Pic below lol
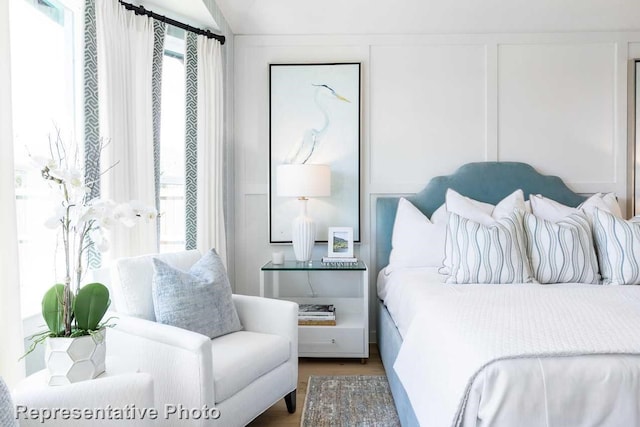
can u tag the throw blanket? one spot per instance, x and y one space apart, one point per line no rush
462 330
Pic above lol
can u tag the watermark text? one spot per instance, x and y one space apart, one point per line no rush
126 413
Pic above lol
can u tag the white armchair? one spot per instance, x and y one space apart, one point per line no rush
240 374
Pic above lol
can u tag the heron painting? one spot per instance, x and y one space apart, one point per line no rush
302 150
315 119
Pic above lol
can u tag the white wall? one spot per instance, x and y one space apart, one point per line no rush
434 102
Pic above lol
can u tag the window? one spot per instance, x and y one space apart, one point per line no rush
172 144
46 62
44 42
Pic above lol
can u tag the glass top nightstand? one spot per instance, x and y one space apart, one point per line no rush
343 285
313 265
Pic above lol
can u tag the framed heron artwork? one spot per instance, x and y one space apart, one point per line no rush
314 119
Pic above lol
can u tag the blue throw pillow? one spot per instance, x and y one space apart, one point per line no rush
198 300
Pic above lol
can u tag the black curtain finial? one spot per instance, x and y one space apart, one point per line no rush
140 10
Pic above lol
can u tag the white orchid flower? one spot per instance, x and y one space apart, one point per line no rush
55 220
75 179
126 214
105 222
103 204
88 213
75 184
98 209
41 162
143 211
60 174
150 214
137 206
99 240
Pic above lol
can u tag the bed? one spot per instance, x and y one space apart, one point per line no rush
501 392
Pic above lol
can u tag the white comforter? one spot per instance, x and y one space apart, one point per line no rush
512 355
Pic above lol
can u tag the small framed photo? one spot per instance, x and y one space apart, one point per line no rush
340 242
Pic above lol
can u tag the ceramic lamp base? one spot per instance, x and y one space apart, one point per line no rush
303 234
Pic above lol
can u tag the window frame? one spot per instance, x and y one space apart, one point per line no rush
73 63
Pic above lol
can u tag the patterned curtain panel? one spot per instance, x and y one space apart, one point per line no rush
93 142
210 206
205 225
156 93
91 114
191 140
125 73
91 111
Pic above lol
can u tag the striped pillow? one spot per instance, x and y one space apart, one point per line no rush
487 253
618 247
561 252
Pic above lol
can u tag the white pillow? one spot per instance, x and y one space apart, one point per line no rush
551 210
416 241
484 213
131 280
440 215
487 253
607 202
618 248
561 252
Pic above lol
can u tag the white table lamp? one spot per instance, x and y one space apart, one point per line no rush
303 181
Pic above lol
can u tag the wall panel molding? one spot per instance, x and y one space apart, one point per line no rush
558 110
491 99
243 41
429 110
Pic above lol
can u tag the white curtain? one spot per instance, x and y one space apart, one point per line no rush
210 205
125 58
12 346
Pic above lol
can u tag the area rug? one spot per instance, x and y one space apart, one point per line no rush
337 401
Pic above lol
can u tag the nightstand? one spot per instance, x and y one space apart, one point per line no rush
293 281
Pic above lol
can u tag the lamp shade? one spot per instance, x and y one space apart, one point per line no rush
303 181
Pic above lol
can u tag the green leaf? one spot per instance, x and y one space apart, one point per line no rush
52 309
90 305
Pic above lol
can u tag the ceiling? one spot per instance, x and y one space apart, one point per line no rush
192 12
428 16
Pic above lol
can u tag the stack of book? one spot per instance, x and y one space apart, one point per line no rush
340 261
317 315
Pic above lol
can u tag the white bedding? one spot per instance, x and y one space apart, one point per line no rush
447 380
403 289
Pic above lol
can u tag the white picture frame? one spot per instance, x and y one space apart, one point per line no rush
340 242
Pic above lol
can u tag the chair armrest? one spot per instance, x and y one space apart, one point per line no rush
270 316
179 360
159 332
117 390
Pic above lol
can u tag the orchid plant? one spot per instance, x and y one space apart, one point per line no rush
83 223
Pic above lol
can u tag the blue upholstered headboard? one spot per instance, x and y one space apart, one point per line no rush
485 181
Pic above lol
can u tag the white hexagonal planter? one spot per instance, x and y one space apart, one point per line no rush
70 360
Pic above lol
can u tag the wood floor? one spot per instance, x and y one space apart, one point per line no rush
277 415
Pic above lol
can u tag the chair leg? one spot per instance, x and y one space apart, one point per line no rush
290 400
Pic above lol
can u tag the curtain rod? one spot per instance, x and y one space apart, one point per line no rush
140 10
